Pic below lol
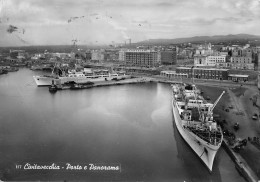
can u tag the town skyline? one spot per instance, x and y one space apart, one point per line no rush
88 22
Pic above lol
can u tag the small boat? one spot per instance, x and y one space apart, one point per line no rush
4 71
53 88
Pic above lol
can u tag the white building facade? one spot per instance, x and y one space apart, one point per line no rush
209 60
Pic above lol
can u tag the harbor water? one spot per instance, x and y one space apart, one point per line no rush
128 126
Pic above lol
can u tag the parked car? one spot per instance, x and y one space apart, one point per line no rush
255 117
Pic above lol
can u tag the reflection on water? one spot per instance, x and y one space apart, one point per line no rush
130 125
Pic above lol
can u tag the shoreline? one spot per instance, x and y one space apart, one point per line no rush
146 79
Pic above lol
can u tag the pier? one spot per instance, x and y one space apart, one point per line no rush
132 80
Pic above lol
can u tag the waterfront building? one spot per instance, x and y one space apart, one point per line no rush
204 73
173 74
238 77
141 58
168 57
141 70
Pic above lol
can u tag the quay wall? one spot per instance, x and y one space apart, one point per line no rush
240 164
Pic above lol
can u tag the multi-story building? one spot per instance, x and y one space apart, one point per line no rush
140 57
258 77
240 52
204 50
17 53
220 53
204 56
97 55
204 73
121 55
258 62
236 52
215 60
159 57
242 63
168 57
88 55
200 60
209 60
242 58
247 53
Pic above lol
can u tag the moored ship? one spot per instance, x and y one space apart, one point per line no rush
78 77
193 117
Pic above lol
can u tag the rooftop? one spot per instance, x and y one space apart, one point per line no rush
219 69
237 75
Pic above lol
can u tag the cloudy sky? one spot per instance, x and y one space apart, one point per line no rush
55 22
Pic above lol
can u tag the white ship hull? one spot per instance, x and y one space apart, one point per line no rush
204 150
47 80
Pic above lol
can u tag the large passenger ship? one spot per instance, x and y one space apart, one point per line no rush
79 77
193 117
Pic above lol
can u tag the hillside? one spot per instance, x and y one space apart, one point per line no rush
218 39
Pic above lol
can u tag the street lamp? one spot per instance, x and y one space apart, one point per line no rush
220 79
192 73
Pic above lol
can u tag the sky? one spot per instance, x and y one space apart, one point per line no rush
95 22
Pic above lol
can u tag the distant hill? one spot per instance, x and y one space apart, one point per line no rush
50 48
239 38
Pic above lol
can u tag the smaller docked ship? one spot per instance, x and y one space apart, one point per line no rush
193 116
